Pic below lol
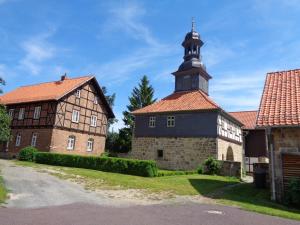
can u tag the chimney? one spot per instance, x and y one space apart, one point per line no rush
63 77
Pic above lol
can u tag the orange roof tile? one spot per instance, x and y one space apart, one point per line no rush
181 101
248 118
43 91
280 102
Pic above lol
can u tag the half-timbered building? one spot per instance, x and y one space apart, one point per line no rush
66 116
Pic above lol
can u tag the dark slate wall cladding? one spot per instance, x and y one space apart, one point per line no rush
202 124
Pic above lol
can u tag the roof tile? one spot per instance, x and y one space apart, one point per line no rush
248 118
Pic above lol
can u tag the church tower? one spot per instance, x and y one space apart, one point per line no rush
191 74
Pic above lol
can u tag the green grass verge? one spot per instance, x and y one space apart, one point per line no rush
250 198
3 191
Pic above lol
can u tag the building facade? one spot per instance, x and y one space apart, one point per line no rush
185 128
65 116
279 116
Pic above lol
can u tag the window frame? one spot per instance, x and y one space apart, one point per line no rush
71 143
93 121
21 116
75 116
152 121
11 113
160 153
90 145
18 140
78 93
170 121
37 112
34 137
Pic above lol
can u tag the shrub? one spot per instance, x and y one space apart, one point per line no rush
145 168
163 173
292 195
212 166
28 154
200 169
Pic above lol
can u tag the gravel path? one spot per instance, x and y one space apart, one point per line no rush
32 189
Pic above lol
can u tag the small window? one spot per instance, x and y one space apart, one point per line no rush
21 113
171 121
152 121
37 112
95 100
33 139
75 116
18 140
78 92
160 154
71 142
90 145
11 113
93 121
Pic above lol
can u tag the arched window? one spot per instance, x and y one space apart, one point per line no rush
71 142
90 145
33 139
18 139
229 154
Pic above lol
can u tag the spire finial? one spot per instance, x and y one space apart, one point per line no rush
193 24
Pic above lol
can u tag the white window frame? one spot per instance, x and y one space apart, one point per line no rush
37 112
152 121
171 121
71 142
18 140
75 116
96 100
11 113
33 139
21 113
93 121
90 145
78 93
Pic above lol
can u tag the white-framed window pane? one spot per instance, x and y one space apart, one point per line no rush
11 113
37 112
75 116
93 121
18 140
78 93
171 121
71 143
21 113
90 145
33 139
152 120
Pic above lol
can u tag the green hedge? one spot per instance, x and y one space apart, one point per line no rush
163 173
145 168
27 154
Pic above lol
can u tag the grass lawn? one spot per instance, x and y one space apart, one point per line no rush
3 191
216 187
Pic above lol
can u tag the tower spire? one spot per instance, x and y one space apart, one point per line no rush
193 24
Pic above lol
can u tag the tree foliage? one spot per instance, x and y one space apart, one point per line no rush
111 101
4 120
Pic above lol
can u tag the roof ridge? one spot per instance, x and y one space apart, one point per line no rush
48 82
244 111
281 71
208 98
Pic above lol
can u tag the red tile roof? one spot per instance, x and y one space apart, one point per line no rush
43 91
280 102
181 101
248 118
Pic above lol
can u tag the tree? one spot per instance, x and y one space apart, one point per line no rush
111 101
4 120
141 96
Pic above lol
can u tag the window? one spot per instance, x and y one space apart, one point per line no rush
160 153
33 139
152 121
171 121
77 95
71 142
21 114
95 100
93 121
90 145
18 140
37 112
75 116
11 113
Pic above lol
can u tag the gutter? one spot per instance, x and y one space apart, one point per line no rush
269 142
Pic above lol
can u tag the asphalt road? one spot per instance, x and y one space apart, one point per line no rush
183 214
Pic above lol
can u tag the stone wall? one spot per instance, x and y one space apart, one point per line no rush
284 140
60 139
229 151
178 153
230 168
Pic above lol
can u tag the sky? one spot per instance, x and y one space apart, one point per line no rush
120 41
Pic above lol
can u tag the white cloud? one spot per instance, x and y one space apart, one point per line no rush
37 50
